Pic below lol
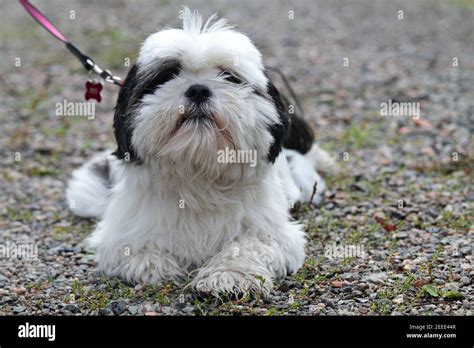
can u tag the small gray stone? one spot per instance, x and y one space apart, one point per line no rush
398 299
362 300
466 250
327 302
421 259
19 309
433 229
347 290
168 310
118 307
451 287
401 235
188 309
146 308
376 278
71 308
106 312
133 310
284 286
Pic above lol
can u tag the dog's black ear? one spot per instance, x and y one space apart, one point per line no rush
293 132
300 135
123 117
134 88
277 130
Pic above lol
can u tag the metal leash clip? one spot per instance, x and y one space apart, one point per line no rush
105 74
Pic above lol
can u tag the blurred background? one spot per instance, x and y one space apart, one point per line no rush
343 58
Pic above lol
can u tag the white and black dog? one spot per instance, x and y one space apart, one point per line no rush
168 207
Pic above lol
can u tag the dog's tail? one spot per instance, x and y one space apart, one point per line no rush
88 190
300 137
321 160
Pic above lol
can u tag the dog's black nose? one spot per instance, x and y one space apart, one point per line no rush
198 93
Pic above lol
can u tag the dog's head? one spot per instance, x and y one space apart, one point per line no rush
194 91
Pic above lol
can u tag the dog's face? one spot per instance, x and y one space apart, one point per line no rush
194 91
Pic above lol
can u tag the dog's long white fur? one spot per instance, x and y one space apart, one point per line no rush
179 211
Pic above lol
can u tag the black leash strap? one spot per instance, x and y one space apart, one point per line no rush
86 61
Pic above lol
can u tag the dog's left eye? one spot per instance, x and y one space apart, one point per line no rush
231 77
168 71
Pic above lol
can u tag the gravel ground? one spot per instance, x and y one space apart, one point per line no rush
402 196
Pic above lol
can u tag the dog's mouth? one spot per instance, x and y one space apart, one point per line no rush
200 122
196 118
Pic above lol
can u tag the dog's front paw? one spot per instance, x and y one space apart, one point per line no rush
234 283
142 266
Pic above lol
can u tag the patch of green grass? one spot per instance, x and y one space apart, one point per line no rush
407 283
39 285
162 299
42 171
312 274
445 169
83 229
48 158
339 181
19 137
399 287
88 144
432 291
459 222
434 260
159 293
58 131
354 237
121 44
308 271
382 307
452 295
114 289
373 188
417 222
92 299
346 261
60 233
295 305
463 3
358 136
199 308
304 292
319 228
272 312
20 31
23 215
320 278
330 146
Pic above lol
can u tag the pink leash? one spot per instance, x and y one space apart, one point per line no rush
88 63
